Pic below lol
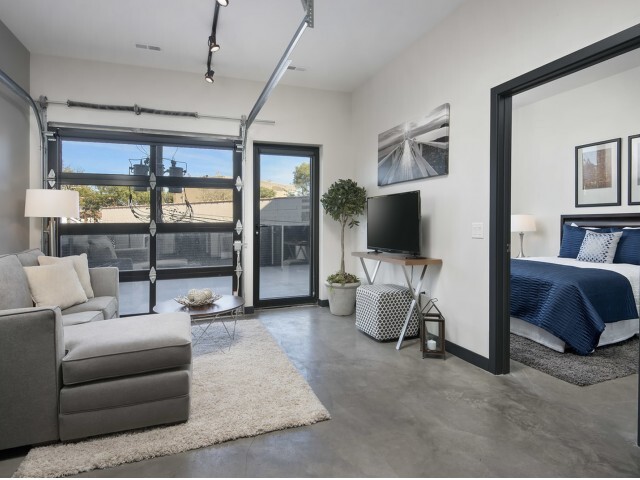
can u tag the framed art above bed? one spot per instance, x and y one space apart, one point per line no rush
598 174
633 154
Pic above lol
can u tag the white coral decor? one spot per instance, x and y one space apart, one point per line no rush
198 297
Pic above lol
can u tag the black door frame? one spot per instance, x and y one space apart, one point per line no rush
500 165
313 153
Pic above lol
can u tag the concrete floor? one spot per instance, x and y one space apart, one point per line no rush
395 414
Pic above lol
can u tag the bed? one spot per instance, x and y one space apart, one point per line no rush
565 301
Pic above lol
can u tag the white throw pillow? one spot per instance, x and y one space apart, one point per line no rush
81 266
55 285
599 247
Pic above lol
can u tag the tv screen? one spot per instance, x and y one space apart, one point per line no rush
393 223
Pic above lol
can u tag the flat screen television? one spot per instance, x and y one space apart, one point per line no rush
393 223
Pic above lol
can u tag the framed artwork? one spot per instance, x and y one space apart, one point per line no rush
634 171
415 150
598 174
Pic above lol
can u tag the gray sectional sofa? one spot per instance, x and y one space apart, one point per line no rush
70 374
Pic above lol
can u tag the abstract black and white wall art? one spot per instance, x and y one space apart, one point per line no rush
414 150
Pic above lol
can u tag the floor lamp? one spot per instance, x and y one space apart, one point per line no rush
52 204
521 224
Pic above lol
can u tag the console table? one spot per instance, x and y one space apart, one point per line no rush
403 261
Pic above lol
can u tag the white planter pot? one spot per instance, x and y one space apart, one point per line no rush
342 298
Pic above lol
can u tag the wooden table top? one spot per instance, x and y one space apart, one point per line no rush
398 258
225 304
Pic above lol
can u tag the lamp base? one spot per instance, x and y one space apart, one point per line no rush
521 254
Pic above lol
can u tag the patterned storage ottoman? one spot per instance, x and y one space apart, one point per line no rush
382 309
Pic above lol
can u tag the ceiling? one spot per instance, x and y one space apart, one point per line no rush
351 40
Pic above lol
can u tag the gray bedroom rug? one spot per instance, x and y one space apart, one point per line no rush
606 363
241 391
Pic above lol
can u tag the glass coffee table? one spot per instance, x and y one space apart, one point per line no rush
226 308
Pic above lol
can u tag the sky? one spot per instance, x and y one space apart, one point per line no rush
115 158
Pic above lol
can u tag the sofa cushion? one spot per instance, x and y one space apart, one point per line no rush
29 258
80 265
81 317
125 391
14 286
57 285
108 306
126 346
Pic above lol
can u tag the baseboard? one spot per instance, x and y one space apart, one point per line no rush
467 355
323 303
249 310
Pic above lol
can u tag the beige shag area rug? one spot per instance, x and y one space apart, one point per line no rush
249 389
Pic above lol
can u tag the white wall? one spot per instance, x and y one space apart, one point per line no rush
302 116
543 155
481 45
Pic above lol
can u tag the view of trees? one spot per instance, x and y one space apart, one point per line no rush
266 193
94 198
302 179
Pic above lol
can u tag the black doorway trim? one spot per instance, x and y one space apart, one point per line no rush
313 153
500 171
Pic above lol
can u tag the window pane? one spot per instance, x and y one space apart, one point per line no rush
196 162
112 204
194 249
197 205
107 158
125 251
134 297
168 289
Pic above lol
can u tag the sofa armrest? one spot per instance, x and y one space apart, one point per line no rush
31 351
105 282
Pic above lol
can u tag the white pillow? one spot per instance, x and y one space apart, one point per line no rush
599 247
81 266
55 285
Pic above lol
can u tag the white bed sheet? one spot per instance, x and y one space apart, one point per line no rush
613 332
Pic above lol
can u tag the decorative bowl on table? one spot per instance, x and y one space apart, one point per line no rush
198 298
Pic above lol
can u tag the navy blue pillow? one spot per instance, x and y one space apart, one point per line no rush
628 250
572 238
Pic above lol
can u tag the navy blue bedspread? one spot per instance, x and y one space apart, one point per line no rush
572 303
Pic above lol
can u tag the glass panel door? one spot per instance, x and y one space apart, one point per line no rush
285 217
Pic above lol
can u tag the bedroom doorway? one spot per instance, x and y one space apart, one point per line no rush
500 178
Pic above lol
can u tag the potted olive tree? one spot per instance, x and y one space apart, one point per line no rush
344 201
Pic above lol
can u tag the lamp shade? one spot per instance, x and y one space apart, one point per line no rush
52 203
523 223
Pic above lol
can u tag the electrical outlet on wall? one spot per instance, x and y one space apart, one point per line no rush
477 230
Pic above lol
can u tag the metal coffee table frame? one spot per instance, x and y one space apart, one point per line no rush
227 307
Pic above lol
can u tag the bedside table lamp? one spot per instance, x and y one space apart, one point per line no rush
52 204
521 224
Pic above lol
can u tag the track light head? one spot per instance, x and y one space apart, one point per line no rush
223 3
209 76
213 46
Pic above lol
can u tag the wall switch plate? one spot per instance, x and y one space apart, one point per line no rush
477 230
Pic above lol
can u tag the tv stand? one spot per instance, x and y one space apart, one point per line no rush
404 262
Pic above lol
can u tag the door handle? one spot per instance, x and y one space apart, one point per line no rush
257 230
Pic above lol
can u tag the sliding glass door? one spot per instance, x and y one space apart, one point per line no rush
286 225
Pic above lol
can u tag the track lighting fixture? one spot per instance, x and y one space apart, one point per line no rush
213 46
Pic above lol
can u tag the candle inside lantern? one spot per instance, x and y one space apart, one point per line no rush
431 344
